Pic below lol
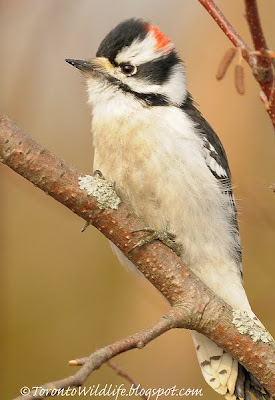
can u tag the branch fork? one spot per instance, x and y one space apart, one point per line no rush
261 59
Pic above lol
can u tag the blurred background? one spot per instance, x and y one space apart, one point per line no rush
64 293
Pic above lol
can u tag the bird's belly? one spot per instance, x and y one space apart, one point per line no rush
164 203
169 186
167 197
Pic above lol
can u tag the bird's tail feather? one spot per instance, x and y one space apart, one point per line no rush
224 374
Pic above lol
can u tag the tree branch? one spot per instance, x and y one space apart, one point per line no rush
253 19
226 27
125 375
194 305
99 357
260 60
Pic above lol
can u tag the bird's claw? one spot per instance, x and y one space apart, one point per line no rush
98 174
85 226
166 238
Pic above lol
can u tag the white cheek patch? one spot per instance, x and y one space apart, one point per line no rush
142 51
174 89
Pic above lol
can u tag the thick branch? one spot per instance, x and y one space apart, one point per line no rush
197 305
261 65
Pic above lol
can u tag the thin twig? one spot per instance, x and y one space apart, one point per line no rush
261 66
99 357
253 19
264 64
124 374
226 27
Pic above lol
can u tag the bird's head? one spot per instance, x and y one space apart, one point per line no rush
136 59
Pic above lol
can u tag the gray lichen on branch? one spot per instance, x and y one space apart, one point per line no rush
246 326
102 190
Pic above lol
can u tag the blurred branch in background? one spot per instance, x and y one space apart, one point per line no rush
194 305
261 60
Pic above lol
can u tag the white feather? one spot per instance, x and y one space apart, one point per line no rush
213 370
142 51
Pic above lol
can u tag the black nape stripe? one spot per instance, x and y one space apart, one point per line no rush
121 36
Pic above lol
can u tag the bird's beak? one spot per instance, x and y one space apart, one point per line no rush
96 64
82 65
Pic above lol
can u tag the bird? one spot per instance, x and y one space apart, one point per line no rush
168 163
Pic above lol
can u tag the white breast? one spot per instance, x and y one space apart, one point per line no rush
156 159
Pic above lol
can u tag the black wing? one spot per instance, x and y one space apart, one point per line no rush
212 142
216 161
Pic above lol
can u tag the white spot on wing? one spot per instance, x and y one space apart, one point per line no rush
213 164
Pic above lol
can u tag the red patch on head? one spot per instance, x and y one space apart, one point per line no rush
162 42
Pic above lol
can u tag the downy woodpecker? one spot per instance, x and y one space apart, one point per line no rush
170 165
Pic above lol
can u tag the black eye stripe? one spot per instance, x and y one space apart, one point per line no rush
158 71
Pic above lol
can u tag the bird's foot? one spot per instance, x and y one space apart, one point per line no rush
98 174
166 238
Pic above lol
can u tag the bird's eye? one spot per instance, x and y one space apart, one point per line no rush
128 69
